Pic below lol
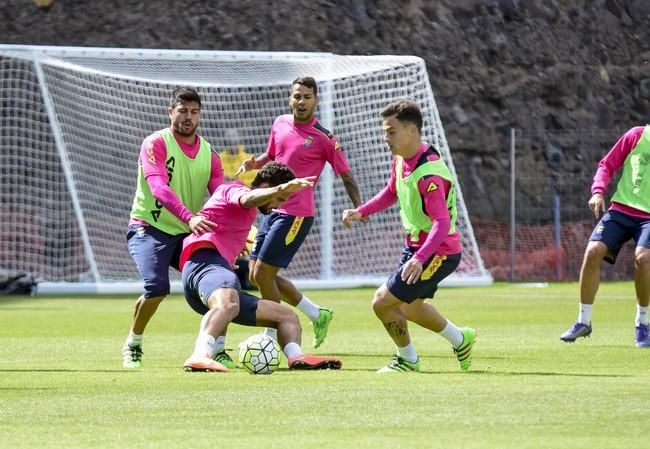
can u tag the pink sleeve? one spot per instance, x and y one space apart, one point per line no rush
383 200
216 174
433 190
235 194
336 157
153 154
166 196
436 236
614 160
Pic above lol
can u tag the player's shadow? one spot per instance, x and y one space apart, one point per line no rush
61 370
552 373
26 389
388 355
27 308
476 372
381 358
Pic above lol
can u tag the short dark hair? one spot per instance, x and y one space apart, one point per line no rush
307 81
273 174
404 110
184 94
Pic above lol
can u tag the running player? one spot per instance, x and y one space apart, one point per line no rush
422 184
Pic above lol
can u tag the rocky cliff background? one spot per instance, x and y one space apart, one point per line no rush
543 67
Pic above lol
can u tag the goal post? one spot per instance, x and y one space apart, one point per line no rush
73 119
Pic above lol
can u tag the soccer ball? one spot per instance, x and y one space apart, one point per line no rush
260 354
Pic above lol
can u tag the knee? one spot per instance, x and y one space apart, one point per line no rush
153 299
642 259
595 252
379 302
261 274
231 308
154 289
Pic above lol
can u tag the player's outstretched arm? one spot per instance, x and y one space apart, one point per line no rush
263 196
252 163
296 184
351 188
351 215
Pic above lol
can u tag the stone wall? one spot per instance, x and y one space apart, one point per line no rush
544 67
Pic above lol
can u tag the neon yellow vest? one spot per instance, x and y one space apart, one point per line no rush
188 178
633 189
413 217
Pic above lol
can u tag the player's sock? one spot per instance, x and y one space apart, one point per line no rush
641 315
408 353
308 308
220 354
205 344
273 333
292 349
219 343
134 339
452 333
584 314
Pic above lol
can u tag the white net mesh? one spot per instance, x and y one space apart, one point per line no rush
73 121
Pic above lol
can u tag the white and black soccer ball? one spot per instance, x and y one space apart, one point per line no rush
260 354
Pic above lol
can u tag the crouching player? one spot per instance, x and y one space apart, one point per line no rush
212 287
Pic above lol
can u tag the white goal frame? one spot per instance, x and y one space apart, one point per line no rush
49 68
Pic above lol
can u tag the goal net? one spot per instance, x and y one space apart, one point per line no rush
73 119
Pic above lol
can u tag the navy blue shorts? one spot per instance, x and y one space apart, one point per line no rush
434 270
206 271
615 228
154 251
279 237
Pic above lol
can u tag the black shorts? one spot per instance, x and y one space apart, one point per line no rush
206 271
279 238
435 269
616 228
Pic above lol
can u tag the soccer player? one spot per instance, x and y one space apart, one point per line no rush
175 168
628 217
231 158
422 184
301 142
211 286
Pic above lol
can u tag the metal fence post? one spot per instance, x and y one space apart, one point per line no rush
512 205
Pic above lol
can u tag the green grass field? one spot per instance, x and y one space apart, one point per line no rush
62 384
